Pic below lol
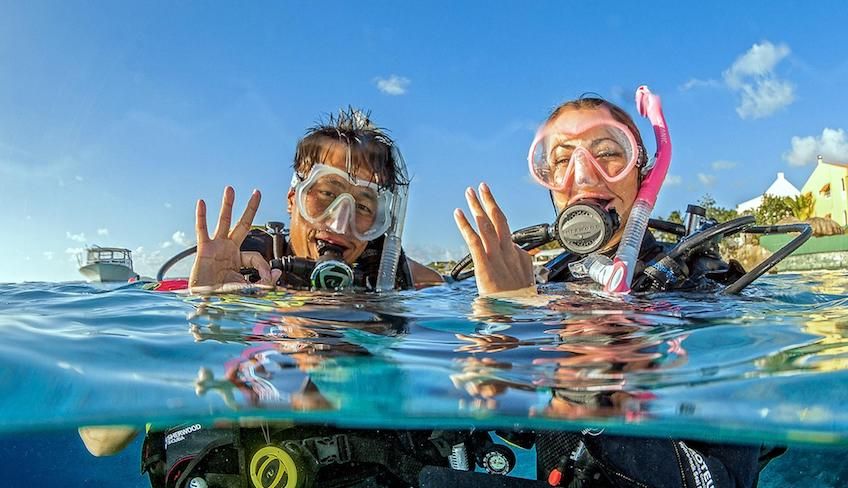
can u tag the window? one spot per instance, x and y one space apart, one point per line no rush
825 190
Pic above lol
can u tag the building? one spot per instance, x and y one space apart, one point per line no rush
780 188
827 184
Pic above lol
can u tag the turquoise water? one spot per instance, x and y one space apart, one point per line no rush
768 366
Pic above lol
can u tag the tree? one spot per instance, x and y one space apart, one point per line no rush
772 209
802 207
675 217
719 214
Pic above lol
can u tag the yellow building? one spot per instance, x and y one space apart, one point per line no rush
828 184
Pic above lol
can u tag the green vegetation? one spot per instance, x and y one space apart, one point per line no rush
772 210
803 207
719 214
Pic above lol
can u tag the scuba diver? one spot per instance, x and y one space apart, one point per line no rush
347 204
590 156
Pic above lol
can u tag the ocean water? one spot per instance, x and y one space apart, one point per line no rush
768 366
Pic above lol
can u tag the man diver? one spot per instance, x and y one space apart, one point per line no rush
346 197
346 200
590 156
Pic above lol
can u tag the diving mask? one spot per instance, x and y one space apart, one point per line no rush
563 151
343 204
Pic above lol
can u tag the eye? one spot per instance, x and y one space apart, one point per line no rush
326 194
364 209
608 154
561 158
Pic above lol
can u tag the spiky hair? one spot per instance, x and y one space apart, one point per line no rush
370 147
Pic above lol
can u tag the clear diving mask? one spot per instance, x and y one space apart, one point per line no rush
343 204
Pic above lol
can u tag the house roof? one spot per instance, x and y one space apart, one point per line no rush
841 165
780 188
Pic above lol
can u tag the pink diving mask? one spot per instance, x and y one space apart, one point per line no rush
562 151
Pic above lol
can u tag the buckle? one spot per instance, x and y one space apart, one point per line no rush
329 450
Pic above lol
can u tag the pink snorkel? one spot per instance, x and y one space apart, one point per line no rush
616 275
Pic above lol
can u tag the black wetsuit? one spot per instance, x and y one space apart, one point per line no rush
662 462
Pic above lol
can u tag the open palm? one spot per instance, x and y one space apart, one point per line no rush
219 259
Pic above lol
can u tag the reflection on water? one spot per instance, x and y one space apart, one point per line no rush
767 366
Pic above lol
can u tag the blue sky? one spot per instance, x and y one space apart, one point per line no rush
116 117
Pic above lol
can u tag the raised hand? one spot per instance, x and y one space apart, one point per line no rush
219 259
499 264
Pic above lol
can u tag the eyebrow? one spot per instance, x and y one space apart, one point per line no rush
566 144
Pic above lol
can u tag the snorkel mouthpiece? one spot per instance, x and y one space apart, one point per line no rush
585 227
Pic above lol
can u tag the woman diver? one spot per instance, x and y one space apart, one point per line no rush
590 156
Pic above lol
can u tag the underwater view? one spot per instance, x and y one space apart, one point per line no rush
423 244
766 367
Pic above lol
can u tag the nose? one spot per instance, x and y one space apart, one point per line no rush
339 219
585 173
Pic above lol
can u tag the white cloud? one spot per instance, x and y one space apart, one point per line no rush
75 237
696 83
673 180
147 262
166 244
78 178
103 232
832 145
705 179
752 76
723 164
180 238
393 85
48 255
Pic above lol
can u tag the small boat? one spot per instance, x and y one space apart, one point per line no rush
106 264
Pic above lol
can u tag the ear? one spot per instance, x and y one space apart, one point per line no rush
290 201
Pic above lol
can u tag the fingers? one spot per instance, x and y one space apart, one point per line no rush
200 222
496 215
226 215
276 274
252 259
484 224
243 226
475 245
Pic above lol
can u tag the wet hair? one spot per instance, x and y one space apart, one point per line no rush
593 101
370 148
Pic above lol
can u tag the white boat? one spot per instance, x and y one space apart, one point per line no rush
106 264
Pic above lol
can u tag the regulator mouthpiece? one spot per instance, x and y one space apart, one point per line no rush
331 272
586 227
